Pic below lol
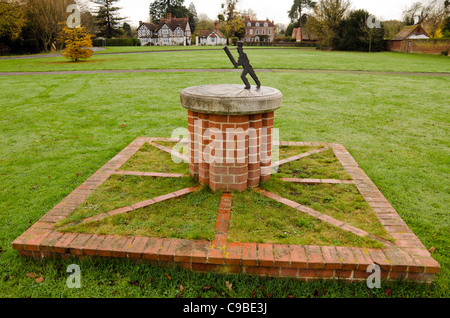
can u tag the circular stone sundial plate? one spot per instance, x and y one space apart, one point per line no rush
231 99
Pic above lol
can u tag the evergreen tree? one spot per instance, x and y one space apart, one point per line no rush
160 8
355 35
108 19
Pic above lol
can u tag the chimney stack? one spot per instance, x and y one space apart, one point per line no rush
169 16
140 23
215 25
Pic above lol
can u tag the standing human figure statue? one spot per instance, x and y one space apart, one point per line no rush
245 63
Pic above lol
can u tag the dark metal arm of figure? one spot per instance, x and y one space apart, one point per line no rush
245 63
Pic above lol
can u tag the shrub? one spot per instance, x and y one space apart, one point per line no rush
77 42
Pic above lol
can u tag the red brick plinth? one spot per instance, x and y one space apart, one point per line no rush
230 134
230 152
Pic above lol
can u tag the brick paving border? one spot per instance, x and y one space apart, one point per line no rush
406 260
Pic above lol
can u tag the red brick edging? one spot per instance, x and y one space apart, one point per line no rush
407 259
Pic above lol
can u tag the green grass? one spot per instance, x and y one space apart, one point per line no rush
290 151
255 218
322 165
151 159
340 201
57 130
268 59
121 191
191 217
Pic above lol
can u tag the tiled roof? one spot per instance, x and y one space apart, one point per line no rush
206 33
408 31
150 26
261 23
173 23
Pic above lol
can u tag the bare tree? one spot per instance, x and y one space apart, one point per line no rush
45 18
325 20
250 14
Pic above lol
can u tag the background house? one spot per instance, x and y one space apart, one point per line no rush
259 30
411 32
170 31
414 39
210 37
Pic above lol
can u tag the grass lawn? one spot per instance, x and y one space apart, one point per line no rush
261 58
57 130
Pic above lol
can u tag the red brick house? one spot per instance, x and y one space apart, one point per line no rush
259 30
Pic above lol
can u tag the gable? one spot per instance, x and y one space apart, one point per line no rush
412 31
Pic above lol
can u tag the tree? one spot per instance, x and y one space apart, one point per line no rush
435 21
392 27
204 22
76 40
355 35
108 19
233 23
126 29
44 18
12 19
446 28
326 19
297 10
430 13
159 9
417 13
193 11
250 14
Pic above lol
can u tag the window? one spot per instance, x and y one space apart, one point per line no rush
249 24
257 24
264 32
270 32
257 32
165 31
251 31
266 24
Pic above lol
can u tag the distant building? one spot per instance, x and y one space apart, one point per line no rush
404 41
170 31
304 36
411 32
259 31
210 37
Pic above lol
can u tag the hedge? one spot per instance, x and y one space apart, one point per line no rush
116 42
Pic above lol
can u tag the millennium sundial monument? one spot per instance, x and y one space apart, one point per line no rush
256 232
231 130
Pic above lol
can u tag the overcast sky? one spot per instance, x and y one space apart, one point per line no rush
137 10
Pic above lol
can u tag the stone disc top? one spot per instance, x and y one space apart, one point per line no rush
231 99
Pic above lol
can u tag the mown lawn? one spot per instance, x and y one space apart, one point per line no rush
260 58
56 130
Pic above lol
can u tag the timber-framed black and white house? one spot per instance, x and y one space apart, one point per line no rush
170 31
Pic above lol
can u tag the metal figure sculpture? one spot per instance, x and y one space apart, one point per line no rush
245 63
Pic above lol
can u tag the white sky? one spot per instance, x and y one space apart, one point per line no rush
137 10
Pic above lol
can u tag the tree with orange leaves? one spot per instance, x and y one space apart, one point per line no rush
77 42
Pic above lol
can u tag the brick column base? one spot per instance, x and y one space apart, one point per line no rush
230 152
